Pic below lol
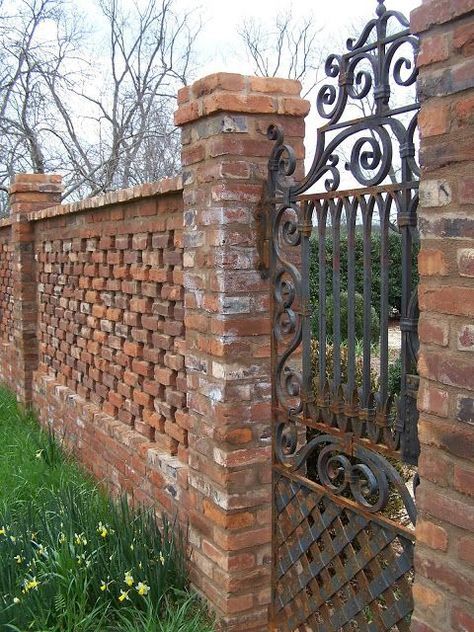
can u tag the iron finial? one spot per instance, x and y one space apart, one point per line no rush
380 10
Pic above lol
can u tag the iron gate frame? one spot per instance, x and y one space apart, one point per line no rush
353 429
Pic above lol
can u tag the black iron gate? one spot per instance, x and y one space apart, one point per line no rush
342 265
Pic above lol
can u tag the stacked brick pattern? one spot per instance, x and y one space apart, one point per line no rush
6 285
111 316
224 120
6 303
444 594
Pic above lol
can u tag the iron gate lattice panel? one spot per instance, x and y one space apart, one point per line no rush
336 568
343 512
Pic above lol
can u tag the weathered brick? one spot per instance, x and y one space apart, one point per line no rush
466 262
465 338
433 535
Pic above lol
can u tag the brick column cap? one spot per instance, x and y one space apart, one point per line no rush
36 182
229 92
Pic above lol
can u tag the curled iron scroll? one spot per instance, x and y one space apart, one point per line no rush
364 476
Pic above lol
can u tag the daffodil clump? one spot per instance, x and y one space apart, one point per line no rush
71 560
124 558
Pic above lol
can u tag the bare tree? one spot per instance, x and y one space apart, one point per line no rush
100 114
288 48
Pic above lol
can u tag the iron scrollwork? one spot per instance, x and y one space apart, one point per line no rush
344 556
383 55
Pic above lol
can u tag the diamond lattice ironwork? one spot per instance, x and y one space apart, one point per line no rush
335 568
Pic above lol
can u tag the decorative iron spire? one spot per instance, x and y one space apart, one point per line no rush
380 10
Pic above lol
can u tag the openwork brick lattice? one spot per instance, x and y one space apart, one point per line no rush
337 569
6 286
112 323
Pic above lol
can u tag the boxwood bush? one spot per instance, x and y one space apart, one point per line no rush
359 318
394 271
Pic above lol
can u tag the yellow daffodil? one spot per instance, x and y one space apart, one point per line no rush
142 589
3 531
62 538
128 578
103 586
123 595
33 535
18 559
162 559
102 530
80 539
41 550
30 584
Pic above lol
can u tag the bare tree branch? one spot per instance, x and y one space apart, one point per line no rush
95 117
288 48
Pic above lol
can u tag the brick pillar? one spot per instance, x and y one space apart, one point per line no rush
224 119
444 588
28 192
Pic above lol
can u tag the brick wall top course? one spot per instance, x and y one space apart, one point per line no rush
162 187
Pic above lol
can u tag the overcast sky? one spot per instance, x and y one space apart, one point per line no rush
219 47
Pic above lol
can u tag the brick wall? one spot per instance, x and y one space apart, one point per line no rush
110 335
111 316
137 325
444 594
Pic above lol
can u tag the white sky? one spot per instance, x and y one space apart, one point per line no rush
219 42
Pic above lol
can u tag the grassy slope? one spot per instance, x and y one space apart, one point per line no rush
51 515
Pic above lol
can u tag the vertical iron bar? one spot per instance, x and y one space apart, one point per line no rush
305 211
336 206
322 214
407 245
384 207
366 209
351 227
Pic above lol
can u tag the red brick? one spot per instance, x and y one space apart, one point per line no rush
433 49
464 480
466 262
465 549
446 369
433 120
466 190
433 331
433 400
447 300
433 535
432 262
446 508
461 619
463 38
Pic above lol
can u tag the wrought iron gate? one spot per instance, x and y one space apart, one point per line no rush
343 499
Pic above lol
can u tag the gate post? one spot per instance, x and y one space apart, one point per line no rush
28 193
444 554
224 119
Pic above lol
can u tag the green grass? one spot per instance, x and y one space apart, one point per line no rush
71 559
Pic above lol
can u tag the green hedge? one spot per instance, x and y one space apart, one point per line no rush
359 318
394 273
